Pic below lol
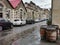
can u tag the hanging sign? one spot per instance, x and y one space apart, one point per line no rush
14 3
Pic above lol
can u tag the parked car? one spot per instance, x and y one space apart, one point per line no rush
19 22
43 20
5 24
30 21
37 20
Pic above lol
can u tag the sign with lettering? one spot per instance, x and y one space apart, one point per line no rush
14 3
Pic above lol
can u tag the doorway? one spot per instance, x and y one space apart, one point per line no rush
1 15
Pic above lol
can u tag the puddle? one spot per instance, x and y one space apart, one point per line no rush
5 32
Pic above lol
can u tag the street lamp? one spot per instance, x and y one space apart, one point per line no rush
49 22
51 10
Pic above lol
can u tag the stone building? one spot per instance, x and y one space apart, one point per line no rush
39 12
29 10
36 13
45 13
56 12
33 10
7 10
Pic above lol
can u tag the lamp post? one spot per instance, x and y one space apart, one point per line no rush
49 22
51 10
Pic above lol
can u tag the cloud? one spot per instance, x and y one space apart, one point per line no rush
41 3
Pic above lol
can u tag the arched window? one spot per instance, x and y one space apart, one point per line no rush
21 14
1 9
8 13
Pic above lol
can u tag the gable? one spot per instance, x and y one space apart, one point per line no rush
8 5
14 3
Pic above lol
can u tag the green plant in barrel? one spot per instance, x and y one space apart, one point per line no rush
49 22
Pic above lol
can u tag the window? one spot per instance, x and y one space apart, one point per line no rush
21 14
1 7
8 13
21 10
24 13
1 15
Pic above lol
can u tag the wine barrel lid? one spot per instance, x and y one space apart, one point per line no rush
51 28
44 26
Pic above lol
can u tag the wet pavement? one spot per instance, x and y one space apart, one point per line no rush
33 38
4 33
17 29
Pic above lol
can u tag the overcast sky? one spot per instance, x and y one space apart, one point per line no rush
41 3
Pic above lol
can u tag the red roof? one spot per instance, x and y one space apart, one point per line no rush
14 3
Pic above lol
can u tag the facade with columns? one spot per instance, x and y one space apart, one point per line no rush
33 11
7 12
29 10
45 14
22 11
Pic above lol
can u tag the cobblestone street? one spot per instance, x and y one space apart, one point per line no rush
34 39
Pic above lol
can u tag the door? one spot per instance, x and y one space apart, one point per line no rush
1 15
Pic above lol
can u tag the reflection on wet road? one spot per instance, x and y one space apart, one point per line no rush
32 38
4 33
17 29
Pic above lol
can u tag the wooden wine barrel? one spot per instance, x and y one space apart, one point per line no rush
43 32
52 33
